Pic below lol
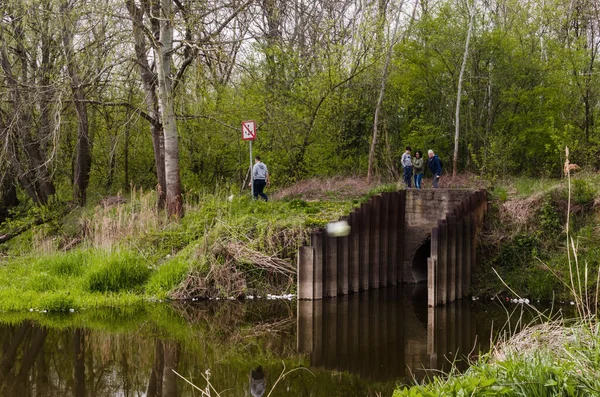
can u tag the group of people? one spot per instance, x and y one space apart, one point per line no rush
414 167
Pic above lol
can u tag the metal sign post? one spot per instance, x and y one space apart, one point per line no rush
249 134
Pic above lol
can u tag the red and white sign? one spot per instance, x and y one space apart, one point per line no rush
248 130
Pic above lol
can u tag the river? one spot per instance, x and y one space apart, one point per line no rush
358 345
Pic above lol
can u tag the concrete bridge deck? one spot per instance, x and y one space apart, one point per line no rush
408 236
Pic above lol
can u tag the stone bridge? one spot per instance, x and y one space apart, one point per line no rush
408 236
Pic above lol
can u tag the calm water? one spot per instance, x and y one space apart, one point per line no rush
357 345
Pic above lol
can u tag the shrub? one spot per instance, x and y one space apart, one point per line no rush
167 277
582 192
64 264
116 272
41 282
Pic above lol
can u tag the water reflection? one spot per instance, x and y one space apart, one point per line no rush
388 333
357 345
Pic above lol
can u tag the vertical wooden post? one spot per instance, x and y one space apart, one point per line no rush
365 244
317 240
394 249
343 268
459 252
473 236
467 248
451 275
401 230
354 248
431 282
331 266
375 242
384 221
306 273
442 264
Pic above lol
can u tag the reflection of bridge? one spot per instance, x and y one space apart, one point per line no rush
386 334
409 236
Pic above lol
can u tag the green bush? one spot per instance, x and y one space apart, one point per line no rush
64 264
582 193
167 277
119 271
41 282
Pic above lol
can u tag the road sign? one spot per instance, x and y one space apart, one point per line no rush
248 130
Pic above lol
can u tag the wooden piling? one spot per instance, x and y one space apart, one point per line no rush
354 248
331 266
365 244
374 264
459 252
431 282
401 230
384 221
451 275
305 272
442 262
317 240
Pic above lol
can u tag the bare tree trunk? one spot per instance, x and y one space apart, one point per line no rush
388 56
167 109
149 82
459 90
83 162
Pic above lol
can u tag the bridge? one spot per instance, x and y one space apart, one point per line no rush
408 236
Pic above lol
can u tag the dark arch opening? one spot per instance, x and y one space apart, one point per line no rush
419 263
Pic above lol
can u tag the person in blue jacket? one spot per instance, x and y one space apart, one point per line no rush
435 166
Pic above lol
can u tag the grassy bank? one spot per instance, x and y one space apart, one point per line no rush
552 359
123 251
524 239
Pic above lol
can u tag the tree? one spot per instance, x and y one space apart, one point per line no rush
471 9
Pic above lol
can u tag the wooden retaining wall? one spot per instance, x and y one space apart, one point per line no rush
369 258
453 250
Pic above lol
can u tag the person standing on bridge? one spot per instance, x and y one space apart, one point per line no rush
407 166
418 168
435 166
260 176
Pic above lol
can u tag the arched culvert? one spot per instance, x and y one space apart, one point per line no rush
419 263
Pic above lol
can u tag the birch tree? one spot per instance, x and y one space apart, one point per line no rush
471 9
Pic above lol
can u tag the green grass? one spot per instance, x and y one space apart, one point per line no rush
131 254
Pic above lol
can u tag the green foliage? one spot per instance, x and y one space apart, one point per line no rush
550 226
167 277
60 302
117 271
582 192
69 264
534 374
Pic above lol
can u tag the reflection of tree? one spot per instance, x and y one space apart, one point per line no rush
163 381
13 372
78 362
155 382
172 351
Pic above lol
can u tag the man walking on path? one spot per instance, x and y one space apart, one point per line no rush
406 162
260 175
435 166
